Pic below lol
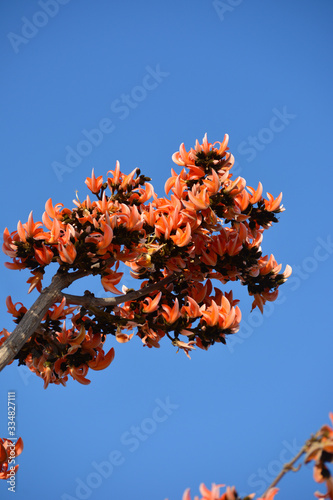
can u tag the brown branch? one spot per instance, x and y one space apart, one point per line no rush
33 317
88 300
290 465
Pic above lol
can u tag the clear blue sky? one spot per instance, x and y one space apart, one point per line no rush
151 75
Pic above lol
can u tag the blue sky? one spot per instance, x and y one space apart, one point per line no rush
87 83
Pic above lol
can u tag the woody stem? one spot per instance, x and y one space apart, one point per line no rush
33 317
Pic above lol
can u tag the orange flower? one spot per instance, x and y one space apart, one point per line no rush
186 159
9 451
15 265
67 252
35 281
12 307
130 217
325 443
213 494
242 201
193 309
53 212
170 183
329 492
144 194
30 229
102 360
102 241
79 374
256 194
122 338
54 234
80 337
210 314
212 183
43 255
152 304
270 494
47 376
117 175
199 198
209 258
59 311
93 183
268 265
182 157
273 205
171 314
149 215
182 238
8 248
5 334
109 280
127 179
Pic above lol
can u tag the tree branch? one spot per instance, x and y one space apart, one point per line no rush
33 317
290 465
89 300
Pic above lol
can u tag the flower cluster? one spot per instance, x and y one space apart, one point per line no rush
54 352
229 494
91 237
208 227
8 452
320 450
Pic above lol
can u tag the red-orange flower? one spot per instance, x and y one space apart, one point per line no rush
182 237
110 280
30 229
67 252
8 452
273 204
151 304
93 183
79 374
102 360
171 314
270 494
